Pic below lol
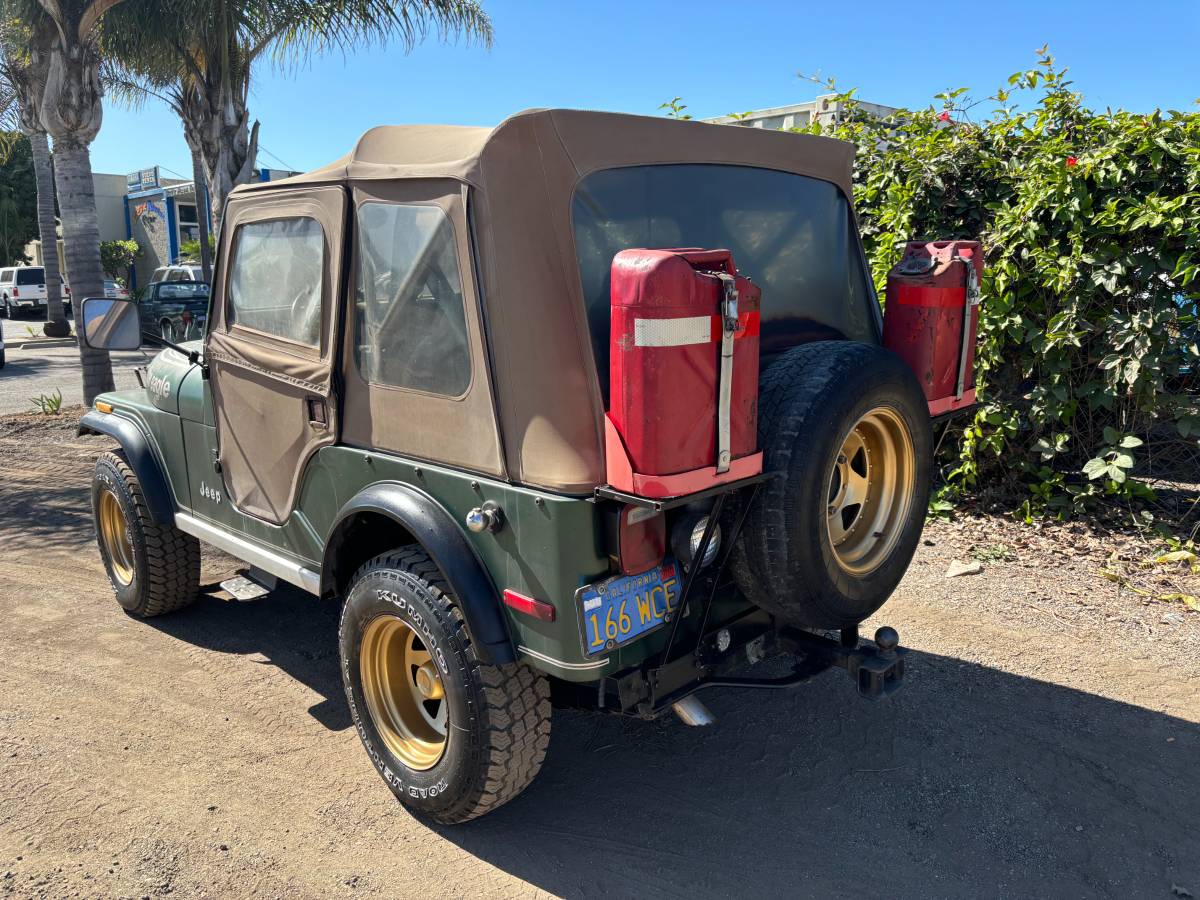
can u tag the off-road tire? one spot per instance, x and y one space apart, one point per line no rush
166 561
499 715
809 399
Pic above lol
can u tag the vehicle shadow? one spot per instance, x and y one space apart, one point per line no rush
295 632
970 782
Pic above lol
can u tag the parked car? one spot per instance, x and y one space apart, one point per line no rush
175 310
406 401
177 273
22 289
112 288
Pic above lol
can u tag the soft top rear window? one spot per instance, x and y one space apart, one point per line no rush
32 275
792 235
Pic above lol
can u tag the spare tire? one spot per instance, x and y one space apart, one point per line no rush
847 428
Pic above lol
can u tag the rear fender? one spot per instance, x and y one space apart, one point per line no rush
438 533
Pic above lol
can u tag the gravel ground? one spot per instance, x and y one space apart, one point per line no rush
1045 744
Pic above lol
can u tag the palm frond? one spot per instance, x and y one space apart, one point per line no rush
306 27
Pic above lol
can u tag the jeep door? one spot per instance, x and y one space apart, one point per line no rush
272 341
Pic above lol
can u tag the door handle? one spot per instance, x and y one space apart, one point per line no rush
318 415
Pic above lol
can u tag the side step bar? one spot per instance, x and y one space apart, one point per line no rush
254 554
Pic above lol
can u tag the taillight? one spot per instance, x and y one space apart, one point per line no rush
641 539
16 291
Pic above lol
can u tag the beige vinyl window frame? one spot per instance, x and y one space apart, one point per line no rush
464 272
320 350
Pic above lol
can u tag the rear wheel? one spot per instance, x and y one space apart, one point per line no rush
153 568
452 736
847 427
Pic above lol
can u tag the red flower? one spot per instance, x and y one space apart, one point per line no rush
944 117
1072 162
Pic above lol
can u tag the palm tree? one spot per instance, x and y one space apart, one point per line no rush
206 51
71 113
23 69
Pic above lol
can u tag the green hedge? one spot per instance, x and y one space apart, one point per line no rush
1091 228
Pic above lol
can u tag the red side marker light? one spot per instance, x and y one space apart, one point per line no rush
538 609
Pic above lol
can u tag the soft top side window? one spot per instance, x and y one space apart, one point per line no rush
276 278
410 322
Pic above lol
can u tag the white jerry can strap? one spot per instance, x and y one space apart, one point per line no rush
729 324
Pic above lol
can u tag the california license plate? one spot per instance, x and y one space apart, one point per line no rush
625 608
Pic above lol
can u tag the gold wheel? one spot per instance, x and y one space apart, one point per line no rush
870 491
404 692
115 535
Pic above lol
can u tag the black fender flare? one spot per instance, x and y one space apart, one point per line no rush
439 534
142 460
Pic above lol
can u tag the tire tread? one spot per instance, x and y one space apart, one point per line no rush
172 557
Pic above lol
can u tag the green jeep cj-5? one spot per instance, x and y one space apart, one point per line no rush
585 409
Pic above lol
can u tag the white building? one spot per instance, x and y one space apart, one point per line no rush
799 115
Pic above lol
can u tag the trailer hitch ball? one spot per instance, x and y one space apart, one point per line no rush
887 639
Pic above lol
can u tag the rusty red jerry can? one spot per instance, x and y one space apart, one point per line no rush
932 318
683 372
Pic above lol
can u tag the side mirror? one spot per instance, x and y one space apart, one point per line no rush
110 324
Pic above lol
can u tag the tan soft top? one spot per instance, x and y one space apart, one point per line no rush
519 179
593 140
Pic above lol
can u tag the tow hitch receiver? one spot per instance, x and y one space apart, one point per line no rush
877 670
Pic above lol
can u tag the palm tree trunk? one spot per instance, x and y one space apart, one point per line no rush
81 246
203 209
56 322
228 148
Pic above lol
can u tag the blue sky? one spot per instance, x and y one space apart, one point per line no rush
720 57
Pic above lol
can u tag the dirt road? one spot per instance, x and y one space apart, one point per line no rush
1047 744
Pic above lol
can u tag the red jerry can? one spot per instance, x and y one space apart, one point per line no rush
683 374
932 317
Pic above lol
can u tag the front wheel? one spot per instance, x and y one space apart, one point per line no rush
452 736
153 568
